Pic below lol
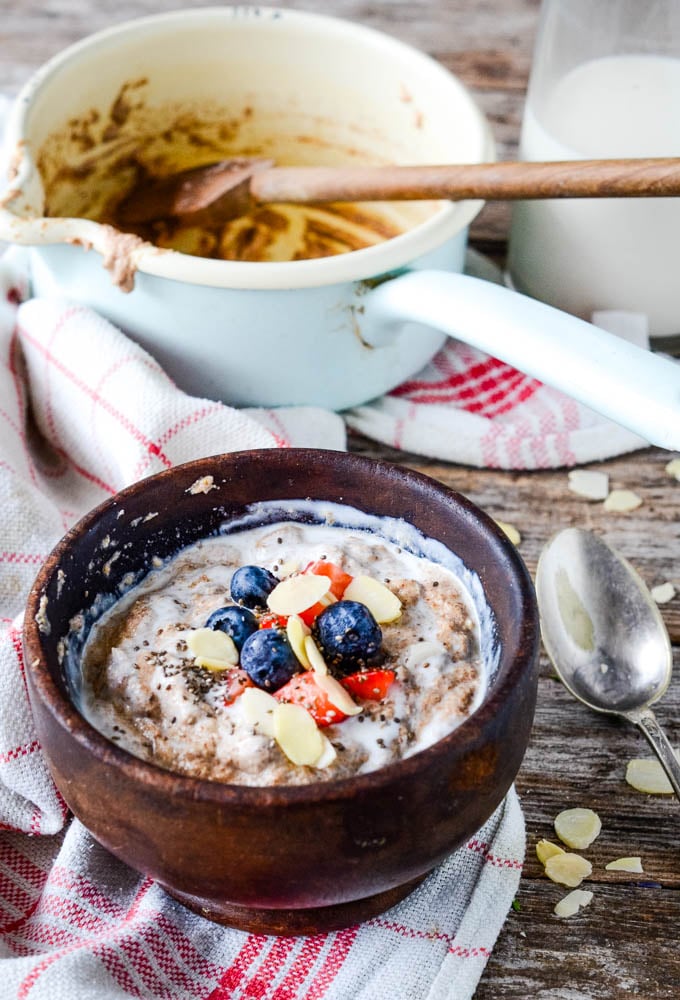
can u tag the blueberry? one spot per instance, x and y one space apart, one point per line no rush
268 659
348 635
237 622
252 585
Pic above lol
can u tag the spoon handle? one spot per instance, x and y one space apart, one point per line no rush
651 177
655 736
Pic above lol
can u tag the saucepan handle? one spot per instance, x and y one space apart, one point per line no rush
631 386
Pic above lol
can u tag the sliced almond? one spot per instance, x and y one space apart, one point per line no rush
316 660
568 869
649 776
297 734
622 501
338 697
546 849
625 865
379 599
212 649
577 827
297 631
328 753
297 593
258 708
673 468
422 652
589 484
663 593
573 902
287 568
510 531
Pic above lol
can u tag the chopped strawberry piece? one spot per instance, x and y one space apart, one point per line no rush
237 681
309 615
371 684
340 580
270 620
302 689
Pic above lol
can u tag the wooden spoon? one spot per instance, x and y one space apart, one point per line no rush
228 188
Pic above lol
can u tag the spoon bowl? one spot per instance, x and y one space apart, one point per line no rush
604 633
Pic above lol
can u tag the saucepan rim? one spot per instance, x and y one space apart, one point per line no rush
366 263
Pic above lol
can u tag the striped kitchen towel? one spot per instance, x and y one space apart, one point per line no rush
470 408
83 412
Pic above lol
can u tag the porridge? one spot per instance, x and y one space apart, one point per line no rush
286 653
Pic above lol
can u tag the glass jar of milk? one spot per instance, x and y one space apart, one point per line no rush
605 82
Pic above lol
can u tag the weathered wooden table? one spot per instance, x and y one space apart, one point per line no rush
626 942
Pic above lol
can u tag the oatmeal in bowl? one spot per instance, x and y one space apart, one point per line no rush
314 647
284 683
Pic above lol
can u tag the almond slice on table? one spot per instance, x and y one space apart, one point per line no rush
646 775
297 632
577 828
297 593
379 599
258 707
589 484
672 468
663 593
212 649
546 849
622 501
625 865
568 869
573 902
510 531
297 734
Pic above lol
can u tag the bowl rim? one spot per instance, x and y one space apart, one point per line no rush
368 262
62 710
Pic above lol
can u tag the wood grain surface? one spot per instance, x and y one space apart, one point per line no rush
626 943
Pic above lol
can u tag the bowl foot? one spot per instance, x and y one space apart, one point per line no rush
313 920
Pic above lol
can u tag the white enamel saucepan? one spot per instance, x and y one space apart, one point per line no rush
333 331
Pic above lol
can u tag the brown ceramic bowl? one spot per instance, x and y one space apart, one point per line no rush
280 859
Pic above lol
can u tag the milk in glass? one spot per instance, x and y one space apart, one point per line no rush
583 255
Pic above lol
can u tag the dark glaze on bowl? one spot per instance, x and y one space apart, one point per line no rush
285 860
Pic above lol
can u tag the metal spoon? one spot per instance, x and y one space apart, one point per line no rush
605 635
